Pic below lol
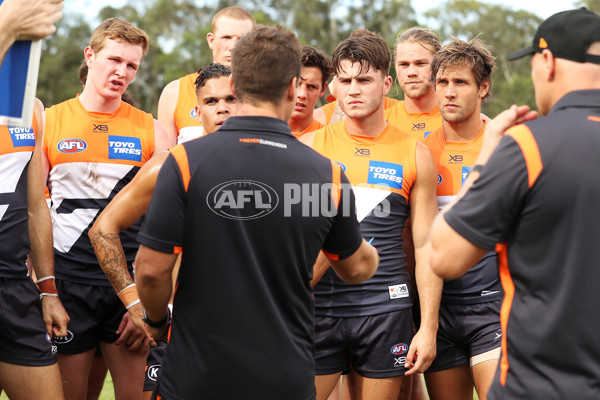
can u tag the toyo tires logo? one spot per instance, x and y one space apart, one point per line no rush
242 199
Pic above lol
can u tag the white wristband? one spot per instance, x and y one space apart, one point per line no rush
133 303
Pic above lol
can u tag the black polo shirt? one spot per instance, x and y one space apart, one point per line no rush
251 207
538 194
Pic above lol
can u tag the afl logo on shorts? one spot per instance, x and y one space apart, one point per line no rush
64 339
242 200
399 348
71 145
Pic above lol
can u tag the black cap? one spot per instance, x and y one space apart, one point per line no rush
568 35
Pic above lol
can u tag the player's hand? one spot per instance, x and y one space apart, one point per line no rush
136 313
30 19
421 351
131 336
494 130
55 316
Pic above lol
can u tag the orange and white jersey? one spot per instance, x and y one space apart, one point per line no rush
184 115
16 147
419 124
382 171
92 156
312 127
454 161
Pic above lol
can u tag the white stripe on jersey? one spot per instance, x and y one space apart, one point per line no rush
79 180
11 169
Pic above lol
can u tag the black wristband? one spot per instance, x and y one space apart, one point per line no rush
157 324
475 168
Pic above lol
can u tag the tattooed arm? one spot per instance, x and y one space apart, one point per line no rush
122 212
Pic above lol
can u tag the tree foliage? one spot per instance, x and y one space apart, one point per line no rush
178 28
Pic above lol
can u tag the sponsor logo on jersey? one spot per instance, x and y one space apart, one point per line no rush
419 126
398 291
384 173
72 145
464 174
341 165
64 339
426 134
99 128
124 148
193 113
399 349
362 152
242 199
152 372
457 159
440 179
22 137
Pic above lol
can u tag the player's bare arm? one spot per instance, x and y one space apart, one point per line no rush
40 235
166 108
154 279
423 206
122 212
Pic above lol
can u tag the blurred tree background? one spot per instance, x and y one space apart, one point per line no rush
178 28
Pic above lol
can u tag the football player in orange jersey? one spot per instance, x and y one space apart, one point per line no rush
177 100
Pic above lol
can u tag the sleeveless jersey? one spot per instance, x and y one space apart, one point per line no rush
92 156
382 171
419 124
312 127
454 161
184 115
16 147
330 107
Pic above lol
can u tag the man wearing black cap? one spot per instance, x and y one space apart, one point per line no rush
534 198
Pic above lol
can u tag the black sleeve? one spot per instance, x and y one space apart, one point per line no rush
489 210
344 237
164 223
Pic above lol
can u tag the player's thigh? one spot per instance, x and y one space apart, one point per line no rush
74 372
126 369
484 372
376 389
325 384
453 383
25 382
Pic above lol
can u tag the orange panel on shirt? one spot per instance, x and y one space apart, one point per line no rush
418 124
312 127
73 134
184 115
387 160
454 161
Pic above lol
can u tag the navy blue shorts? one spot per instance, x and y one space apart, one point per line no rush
23 336
465 331
154 364
374 346
96 313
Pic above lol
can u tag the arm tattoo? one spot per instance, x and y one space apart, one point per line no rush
111 257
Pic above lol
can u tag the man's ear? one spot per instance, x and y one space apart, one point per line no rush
88 54
549 65
231 87
387 84
324 90
198 113
291 92
210 38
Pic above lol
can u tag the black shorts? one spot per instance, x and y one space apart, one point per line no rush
96 313
23 336
375 346
465 331
154 364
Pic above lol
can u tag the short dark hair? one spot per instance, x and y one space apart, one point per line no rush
263 62
312 57
213 70
367 48
474 54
